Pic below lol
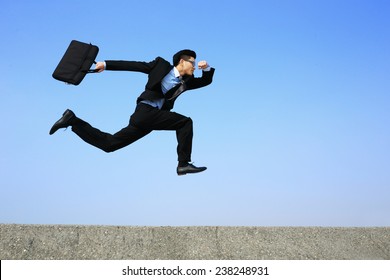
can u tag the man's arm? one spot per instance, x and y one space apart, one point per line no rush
205 80
123 65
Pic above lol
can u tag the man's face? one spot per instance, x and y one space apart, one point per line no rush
188 66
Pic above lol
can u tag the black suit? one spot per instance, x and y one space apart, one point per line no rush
147 118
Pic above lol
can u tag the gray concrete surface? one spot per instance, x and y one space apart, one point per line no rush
44 242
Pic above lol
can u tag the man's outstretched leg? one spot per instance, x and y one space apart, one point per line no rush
102 140
149 117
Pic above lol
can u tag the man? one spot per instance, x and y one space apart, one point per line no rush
165 84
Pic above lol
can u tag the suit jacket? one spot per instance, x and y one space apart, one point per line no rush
157 70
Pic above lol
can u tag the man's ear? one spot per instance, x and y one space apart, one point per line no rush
181 61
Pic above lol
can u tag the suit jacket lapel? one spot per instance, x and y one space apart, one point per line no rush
158 74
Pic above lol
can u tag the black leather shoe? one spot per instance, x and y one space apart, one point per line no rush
190 168
63 122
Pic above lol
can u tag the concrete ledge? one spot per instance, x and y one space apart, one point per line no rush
44 242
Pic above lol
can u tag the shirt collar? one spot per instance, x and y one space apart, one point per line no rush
176 72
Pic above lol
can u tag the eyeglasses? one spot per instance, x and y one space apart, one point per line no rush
190 61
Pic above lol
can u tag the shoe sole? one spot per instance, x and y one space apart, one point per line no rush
193 172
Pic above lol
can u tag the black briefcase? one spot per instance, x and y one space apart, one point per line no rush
76 63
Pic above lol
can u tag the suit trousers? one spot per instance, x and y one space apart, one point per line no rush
144 120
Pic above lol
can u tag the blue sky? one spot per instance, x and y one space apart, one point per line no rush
294 129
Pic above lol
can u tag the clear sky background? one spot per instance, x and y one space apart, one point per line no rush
294 129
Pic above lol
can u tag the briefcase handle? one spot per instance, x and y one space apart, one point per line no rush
91 70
